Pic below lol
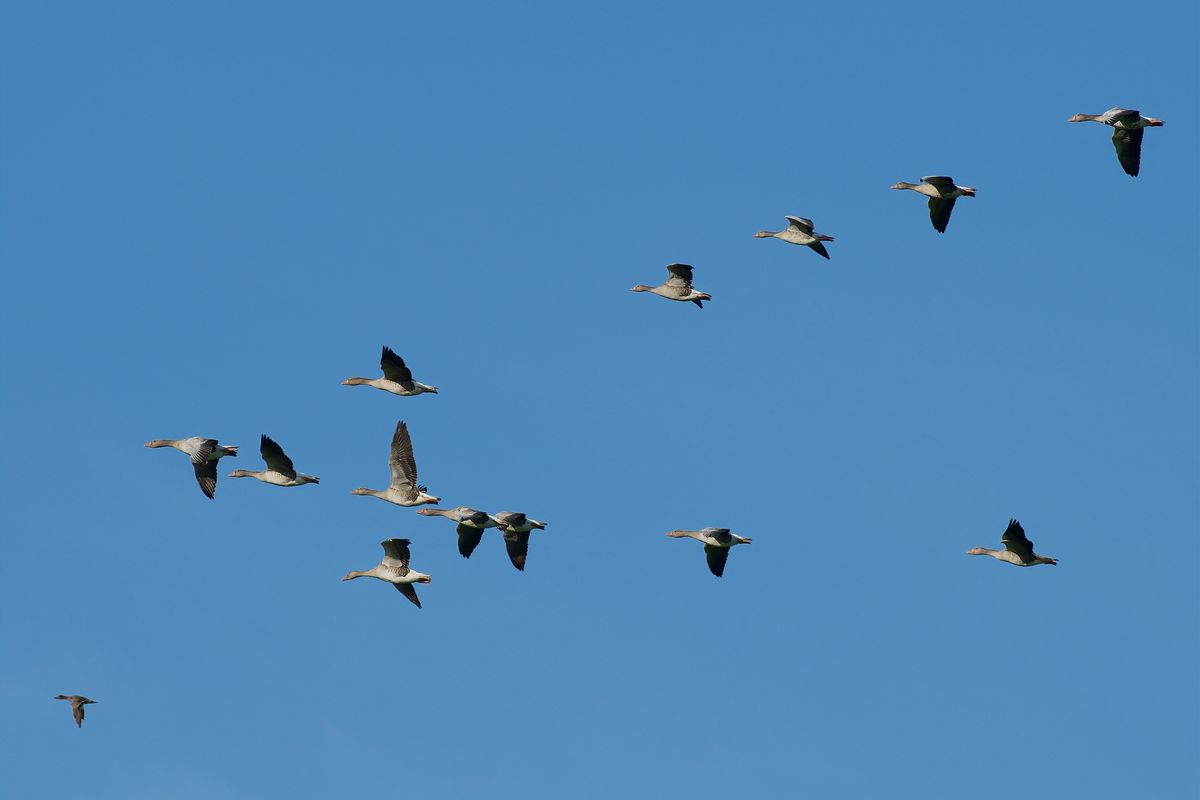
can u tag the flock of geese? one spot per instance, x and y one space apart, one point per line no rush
404 490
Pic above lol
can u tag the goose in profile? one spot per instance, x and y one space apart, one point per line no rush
470 525
204 453
403 490
678 286
942 193
397 378
78 701
1127 128
717 542
1017 548
515 528
279 471
394 569
799 231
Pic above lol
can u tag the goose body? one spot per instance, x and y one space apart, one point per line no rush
515 528
1017 550
469 523
678 286
1127 126
403 489
204 454
942 192
78 701
717 542
394 569
279 471
799 231
397 377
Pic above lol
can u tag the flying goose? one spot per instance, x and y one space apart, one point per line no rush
717 542
394 569
397 378
279 471
678 286
1017 548
799 231
942 193
205 453
470 525
1127 134
403 490
78 701
516 527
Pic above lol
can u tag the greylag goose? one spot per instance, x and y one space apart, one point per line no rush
717 542
397 378
1127 128
279 471
204 453
394 569
942 193
516 527
1017 548
678 286
470 525
78 701
799 231
403 490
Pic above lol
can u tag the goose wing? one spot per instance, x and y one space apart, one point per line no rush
277 460
940 182
1016 542
517 545
939 212
397 550
1128 143
402 463
409 591
77 710
1115 115
510 519
206 471
468 539
819 247
681 275
801 224
717 556
395 370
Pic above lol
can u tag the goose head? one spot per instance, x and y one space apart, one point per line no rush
641 287
763 235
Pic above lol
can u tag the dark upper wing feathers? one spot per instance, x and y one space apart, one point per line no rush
1128 144
394 368
276 459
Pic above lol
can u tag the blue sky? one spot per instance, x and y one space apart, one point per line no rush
212 214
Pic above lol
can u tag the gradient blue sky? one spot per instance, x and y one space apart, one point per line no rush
213 213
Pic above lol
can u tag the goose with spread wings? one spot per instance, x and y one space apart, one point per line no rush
1128 126
1017 548
515 527
397 377
404 489
799 231
204 453
78 701
942 192
717 542
678 286
470 524
279 471
395 570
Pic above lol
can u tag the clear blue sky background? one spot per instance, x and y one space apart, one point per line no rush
213 213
